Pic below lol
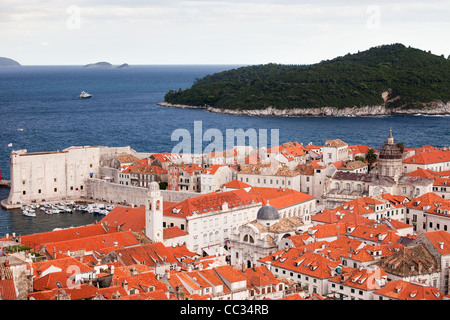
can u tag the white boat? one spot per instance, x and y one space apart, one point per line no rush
10 145
29 213
85 95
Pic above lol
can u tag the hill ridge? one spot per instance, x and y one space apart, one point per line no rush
395 77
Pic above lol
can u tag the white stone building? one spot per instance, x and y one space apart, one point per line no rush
213 177
55 176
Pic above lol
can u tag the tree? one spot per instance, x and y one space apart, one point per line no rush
401 146
360 158
163 185
371 157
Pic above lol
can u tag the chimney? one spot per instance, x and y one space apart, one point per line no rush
125 285
441 245
168 274
180 293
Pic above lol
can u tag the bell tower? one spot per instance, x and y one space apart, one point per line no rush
154 213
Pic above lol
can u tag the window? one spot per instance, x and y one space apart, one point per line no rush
55 189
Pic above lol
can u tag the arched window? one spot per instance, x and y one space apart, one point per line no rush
248 238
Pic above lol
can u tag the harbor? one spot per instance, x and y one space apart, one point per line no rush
14 221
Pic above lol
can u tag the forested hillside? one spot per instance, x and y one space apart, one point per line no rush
410 76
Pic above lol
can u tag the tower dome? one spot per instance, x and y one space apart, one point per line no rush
267 213
154 185
390 159
390 149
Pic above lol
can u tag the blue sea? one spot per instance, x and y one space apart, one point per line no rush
43 102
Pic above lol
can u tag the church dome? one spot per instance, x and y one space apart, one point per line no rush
268 212
390 150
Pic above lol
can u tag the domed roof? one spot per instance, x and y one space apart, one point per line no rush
154 185
390 150
268 212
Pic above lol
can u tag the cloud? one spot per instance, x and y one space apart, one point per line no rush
228 31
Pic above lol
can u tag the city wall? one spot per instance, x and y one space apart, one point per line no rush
102 190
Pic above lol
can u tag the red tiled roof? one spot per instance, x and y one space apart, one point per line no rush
442 182
126 218
231 274
307 263
402 290
213 169
173 232
147 254
145 168
120 239
279 197
332 216
36 241
428 202
210 202
259 276
362 279
49 281
67 265
433 156
438 238
165 156
423 173
360 149
236 184
7 289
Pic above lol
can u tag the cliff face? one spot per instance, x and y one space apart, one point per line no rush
437 108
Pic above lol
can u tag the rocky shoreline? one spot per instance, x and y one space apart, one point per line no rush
437 108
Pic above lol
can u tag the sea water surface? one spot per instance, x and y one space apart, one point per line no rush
40 111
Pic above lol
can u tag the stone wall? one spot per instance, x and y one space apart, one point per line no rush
177 196
102 190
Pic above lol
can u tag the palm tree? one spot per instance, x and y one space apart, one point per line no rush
371 157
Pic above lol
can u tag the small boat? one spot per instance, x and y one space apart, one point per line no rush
85 95
29 213
10 145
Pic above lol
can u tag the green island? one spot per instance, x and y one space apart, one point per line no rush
394 78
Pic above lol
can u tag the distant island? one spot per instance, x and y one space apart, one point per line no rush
124 66
387 79
7 62
106 65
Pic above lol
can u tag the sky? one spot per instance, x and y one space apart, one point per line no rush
139 32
